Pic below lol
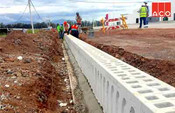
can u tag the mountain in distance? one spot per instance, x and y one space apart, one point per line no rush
60 21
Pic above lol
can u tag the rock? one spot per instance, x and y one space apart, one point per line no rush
59 101
2 107
65 80
42 97
18 97
19 57
13 77
63 59
9 72
37 74
28 60
15 81
7 86
63 104
2 97
17 41
117 56
71 101
24 75
18 74
20 84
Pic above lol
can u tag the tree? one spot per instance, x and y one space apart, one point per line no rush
2 25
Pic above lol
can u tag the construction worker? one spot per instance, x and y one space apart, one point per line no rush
78 20
143 15
59 30
66 27
74 31
147 17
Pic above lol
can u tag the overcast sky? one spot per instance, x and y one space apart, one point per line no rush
11 10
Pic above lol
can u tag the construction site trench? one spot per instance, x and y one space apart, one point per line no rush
34 76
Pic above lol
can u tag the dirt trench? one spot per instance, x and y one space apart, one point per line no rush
33 74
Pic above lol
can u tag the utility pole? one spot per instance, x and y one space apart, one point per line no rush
31 19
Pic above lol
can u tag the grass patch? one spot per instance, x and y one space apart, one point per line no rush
3 35
30 31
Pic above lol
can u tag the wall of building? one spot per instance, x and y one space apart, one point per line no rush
173 10
131 18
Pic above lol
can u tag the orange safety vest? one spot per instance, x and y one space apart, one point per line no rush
74 27
66 27
79 20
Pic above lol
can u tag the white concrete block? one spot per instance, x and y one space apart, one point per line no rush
118 86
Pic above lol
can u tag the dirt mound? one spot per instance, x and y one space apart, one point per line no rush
33 75
161 69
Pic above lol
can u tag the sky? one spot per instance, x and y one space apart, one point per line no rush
11 10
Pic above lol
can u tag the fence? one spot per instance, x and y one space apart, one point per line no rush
118 86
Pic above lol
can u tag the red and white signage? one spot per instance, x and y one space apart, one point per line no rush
111 28
111 23
161 9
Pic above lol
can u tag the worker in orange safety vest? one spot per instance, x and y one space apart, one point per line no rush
79 21
66 27
74 31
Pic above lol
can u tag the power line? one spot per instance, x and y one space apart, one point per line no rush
22 13
25 11
36 11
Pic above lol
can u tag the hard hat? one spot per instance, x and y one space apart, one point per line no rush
65 23
145 2
77 13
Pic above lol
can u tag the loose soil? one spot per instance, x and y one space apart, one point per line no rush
150 50
37 83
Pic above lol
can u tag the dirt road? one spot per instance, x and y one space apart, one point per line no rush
150 43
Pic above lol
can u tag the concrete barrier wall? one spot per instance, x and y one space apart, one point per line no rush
118 86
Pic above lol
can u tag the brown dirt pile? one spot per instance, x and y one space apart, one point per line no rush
37 83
